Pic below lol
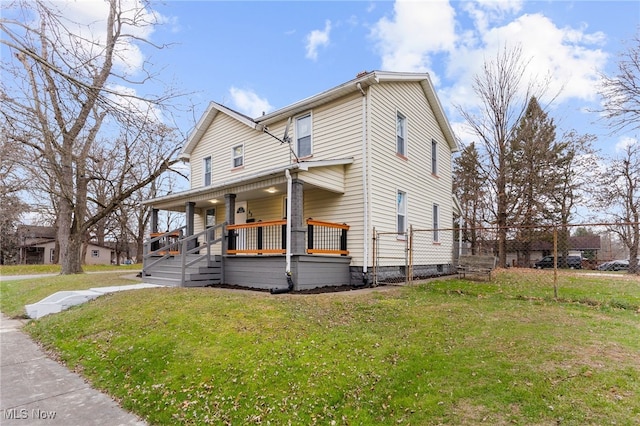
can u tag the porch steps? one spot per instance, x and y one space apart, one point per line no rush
168 273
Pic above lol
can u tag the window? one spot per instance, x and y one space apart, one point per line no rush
401 134
52 255
436 214
303 136
210 218
401 210
237 154
95 253
434 157
207 171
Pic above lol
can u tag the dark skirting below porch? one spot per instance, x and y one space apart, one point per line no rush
269 272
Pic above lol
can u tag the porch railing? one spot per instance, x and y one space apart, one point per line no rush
163 245
326 237
258 238
270 238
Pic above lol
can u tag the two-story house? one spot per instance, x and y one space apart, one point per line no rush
290 199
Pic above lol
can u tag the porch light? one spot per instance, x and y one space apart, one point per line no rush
214 201
271 190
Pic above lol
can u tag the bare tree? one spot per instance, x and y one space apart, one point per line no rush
617 193
71 92
503 97
621 92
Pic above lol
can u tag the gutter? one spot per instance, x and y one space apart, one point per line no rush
365 188
288 239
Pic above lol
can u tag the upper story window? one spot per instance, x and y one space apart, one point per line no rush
401 134
401 212
303 136
434 157
206 169
237 153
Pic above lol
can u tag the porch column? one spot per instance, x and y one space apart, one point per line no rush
154 220
230 217
230 208
154 228
298 229
190 209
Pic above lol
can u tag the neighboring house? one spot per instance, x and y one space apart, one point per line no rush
588 247
37 247
321 174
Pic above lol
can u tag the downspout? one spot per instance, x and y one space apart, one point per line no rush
365 192
288 241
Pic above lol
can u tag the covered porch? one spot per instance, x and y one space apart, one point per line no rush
252 233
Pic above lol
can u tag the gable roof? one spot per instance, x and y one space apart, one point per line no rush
35 231
362 81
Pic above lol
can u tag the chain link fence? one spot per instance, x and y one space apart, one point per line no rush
400 258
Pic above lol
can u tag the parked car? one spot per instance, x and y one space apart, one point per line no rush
572 262
614 265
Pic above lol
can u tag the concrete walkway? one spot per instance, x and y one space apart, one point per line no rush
36 390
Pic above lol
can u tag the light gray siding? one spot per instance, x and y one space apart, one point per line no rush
411 174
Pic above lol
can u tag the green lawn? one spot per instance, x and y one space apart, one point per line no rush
443 352
55 269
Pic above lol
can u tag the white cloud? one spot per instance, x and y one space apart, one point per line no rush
128 99
624 143
316 39
486 12
249 103
414 32
571 57
420 32
87 18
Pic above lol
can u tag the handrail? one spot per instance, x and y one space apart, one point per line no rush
257 224
327 237
208 242
327 224
257 238
165 251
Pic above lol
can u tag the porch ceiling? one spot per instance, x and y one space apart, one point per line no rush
266 184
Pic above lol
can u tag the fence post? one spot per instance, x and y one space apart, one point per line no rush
375 258
555 262
343 240
309 236
259 237
410 255
406 257
232 239
283 236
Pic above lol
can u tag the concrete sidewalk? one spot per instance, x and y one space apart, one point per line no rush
36 390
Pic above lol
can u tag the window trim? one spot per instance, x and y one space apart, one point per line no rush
297 136
434 157
405 131
206 175
405 207
234 157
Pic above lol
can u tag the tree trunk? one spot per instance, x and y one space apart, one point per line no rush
70 248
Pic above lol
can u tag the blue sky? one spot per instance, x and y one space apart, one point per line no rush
263 55
257 56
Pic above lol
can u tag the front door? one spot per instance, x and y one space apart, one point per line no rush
240 217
